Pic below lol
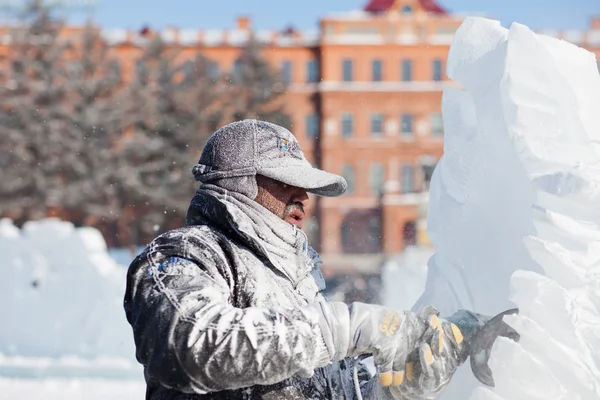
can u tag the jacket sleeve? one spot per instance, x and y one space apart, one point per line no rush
190 338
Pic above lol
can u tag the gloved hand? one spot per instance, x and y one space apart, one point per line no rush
372 329
430 366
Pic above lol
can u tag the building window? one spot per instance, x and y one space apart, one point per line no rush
237 67
213 70
141 71
437 124
406 70
377 70
409 234
312 125
347 125
345 236
427 170
286 72
348 174
408 178
188 69
407 124
376 124
377 178
312 71
437 70
374 233
347 70
360 231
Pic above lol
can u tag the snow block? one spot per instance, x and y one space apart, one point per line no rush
514 213
62 296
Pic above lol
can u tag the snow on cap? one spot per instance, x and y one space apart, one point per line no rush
252 147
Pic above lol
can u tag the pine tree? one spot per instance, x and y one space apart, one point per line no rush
79 141
93 130
60 122
257 87
31 108
175 107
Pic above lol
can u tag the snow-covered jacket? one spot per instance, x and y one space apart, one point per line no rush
220 309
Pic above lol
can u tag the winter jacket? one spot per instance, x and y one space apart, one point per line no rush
220 309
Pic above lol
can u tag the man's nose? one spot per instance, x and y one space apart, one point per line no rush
301 196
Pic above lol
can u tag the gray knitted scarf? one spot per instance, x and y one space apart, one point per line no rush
285 245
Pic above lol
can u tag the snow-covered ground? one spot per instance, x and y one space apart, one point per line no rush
71 389
513 210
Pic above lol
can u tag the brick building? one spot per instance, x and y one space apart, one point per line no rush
364 97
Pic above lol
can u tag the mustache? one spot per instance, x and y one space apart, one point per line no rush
296 205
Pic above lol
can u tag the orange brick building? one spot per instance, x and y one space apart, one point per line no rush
364 98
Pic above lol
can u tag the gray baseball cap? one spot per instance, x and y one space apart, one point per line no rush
250 147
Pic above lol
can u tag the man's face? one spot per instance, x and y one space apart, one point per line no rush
285 201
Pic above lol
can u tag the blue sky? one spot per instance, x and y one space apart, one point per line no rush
277 14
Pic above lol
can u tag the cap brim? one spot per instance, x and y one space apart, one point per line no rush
313 180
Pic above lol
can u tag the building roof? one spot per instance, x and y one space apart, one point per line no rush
383 5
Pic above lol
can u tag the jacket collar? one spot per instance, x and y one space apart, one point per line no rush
242 219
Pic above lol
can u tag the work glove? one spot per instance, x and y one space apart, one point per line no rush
388 335
433 362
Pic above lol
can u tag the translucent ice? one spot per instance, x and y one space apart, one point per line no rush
514 213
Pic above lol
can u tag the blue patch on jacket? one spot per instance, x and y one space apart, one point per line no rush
169 263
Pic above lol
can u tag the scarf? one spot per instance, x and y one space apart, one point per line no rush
284 244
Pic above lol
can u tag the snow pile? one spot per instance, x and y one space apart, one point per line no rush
62 297
514 213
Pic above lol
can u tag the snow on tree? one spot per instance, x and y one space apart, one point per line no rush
174 106
83 142
257 87
93 129
60 114
31 110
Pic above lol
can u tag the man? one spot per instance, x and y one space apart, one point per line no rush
230 306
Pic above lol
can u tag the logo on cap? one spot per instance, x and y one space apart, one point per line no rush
284 144
290 147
